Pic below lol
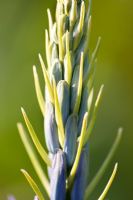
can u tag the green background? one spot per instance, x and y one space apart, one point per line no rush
22 27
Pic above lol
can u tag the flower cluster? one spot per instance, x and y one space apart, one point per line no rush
67 107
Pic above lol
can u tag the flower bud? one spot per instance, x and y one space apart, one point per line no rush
56 71
64 99
80 180
54 54
51 134
71 131
58 179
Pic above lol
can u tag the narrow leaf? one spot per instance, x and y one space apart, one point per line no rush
92 60
38 91
82 16
60 35
33 157
46 78
50 23
78 32
90 100
94 54
73 14
67 61
103 195
80 83
33 185
79 150
104 166
93 118
88 35
47 47
33 135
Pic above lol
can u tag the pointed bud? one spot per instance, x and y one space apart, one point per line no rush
56 71
51 134
80 181
54 53
64 98
71 131
58 179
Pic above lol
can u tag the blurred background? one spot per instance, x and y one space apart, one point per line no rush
22 26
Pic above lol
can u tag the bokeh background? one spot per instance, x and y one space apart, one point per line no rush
22 25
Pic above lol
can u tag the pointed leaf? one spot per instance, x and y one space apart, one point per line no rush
94 114
102 197
79 150
33 157
80 83
33 185
37 143
104 166
46 78
38 91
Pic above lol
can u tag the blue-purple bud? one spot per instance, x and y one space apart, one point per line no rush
71 131
64 99
58 178
80 181
55 54
56 71
50 127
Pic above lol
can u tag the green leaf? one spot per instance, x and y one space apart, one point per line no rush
79 150
104 166
47 48
50 23
92 60
60 36
103 195
46 78
80 28
90 100
33 157
58 116
33 185
68 65
82 16
88 35
36 142
38 91
80 83
73 14
94 114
